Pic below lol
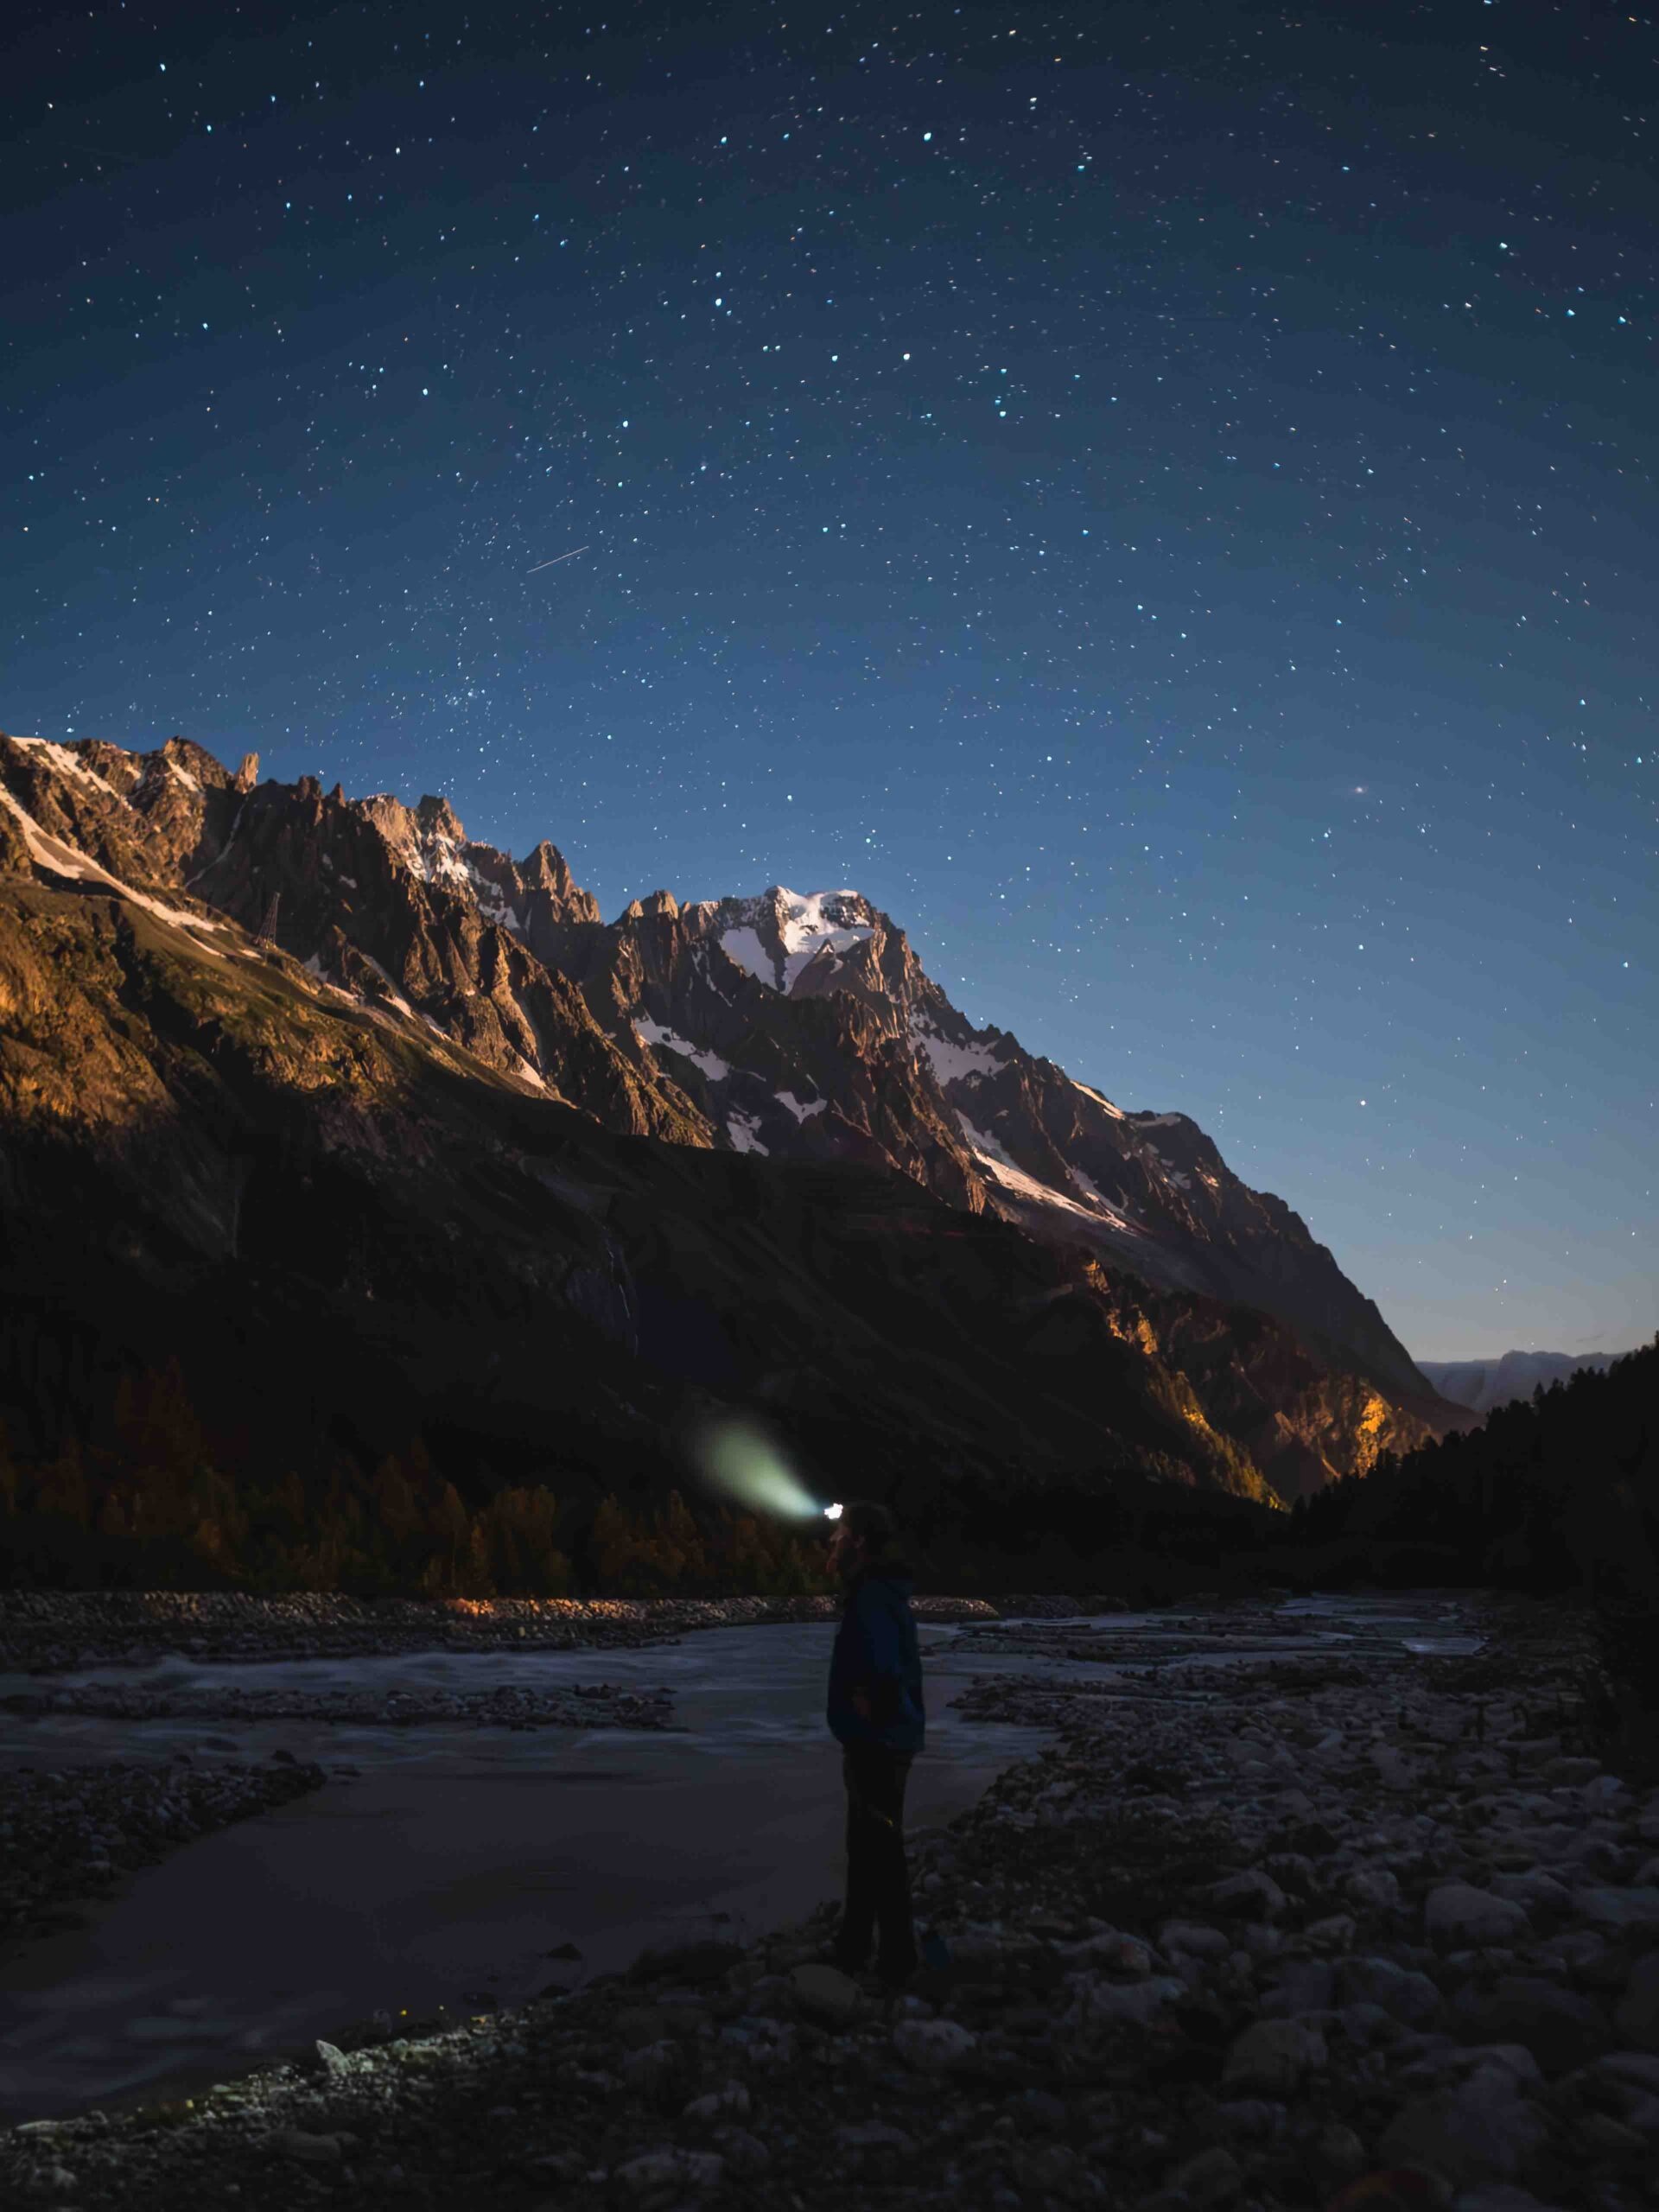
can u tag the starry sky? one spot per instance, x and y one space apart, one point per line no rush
1160 497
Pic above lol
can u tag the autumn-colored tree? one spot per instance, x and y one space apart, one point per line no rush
65 1489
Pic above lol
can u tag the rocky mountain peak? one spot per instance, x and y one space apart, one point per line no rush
658 902
438 818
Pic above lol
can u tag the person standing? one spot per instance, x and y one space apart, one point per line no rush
876 1714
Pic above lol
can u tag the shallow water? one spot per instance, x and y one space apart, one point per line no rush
458 1857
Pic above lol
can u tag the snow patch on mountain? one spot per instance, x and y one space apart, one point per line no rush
69 764
954 1063
1099 1097
655 1034
1020 1184
743 945
1091 1189
744 1131
809 926
60 858
802 1113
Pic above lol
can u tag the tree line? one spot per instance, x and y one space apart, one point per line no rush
152 1505
1554 1493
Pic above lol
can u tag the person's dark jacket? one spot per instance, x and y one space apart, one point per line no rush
876 1652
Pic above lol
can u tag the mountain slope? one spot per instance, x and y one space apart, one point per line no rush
354 952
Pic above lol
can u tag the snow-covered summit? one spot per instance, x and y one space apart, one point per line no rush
779 935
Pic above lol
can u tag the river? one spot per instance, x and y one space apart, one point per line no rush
455 1861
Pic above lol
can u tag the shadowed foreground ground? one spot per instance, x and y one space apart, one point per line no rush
1247 1933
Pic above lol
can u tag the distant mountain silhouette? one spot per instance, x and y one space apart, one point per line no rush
1480 1384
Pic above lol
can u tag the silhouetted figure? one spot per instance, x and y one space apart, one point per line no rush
876 1714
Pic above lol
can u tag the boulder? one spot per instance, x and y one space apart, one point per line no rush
826 1994
1249 1896
1481 2131
1624 1910
1215 2176
1458 1916
1193 1937
730 2101
1273 2055
935 2046
1410 1996
661 2176
1097 2004
311 2149
1374 1888
1560 2027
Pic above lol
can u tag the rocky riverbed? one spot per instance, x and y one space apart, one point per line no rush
573 1705
1250 1933
67 1837
55 1631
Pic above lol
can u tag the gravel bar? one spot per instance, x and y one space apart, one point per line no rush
70 1836
55 1631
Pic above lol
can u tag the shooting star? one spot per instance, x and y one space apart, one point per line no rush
554 561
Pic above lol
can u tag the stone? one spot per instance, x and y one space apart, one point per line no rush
1623 1911
935 2046
1273 2055
1375 1889
1636 2066
1249 1896
1482 2131
311 2149
1602 2132
1215 2176
653 2068
1637 2012
1194 1938
1302 1986
1115 1954
659 2176
1097 2004
1458 1915
1036 2112
1535 1889
1412 1998
730 2101
825 1993
1334 2156
873 2135
1577 1771
1560 2027
743 2152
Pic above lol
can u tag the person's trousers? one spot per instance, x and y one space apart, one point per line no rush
878 1879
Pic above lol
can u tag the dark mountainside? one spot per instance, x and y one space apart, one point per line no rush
374 1213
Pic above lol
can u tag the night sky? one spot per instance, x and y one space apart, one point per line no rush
1161 499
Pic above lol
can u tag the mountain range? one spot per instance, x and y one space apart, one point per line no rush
1480 1384
383 1133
